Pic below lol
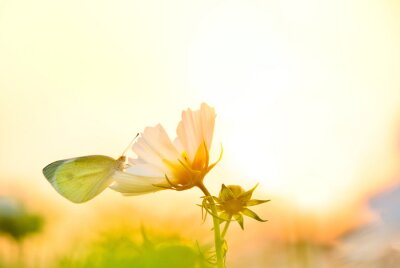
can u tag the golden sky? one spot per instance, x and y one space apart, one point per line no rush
307 93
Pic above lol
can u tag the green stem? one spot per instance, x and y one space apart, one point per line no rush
225 229
217 233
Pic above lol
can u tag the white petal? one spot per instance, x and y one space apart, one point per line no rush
146 154
207 115
130 184
157 138
196 127
154 146
178 145
145 170
136 161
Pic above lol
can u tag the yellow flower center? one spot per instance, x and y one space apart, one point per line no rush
186 173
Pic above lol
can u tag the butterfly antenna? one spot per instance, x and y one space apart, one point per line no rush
130 144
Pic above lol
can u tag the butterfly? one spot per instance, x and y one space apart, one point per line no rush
82 178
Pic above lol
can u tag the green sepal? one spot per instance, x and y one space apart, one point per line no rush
225 193
224 248
254 202
252 214
246 196
225 216
239 219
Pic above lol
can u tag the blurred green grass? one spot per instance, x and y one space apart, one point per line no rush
127 246
117 249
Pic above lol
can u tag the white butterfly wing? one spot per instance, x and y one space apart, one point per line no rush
81 179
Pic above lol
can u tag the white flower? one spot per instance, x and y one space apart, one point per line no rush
163 164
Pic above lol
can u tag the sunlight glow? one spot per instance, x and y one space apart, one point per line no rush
306 94
302 132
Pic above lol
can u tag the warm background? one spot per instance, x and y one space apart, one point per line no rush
307 95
